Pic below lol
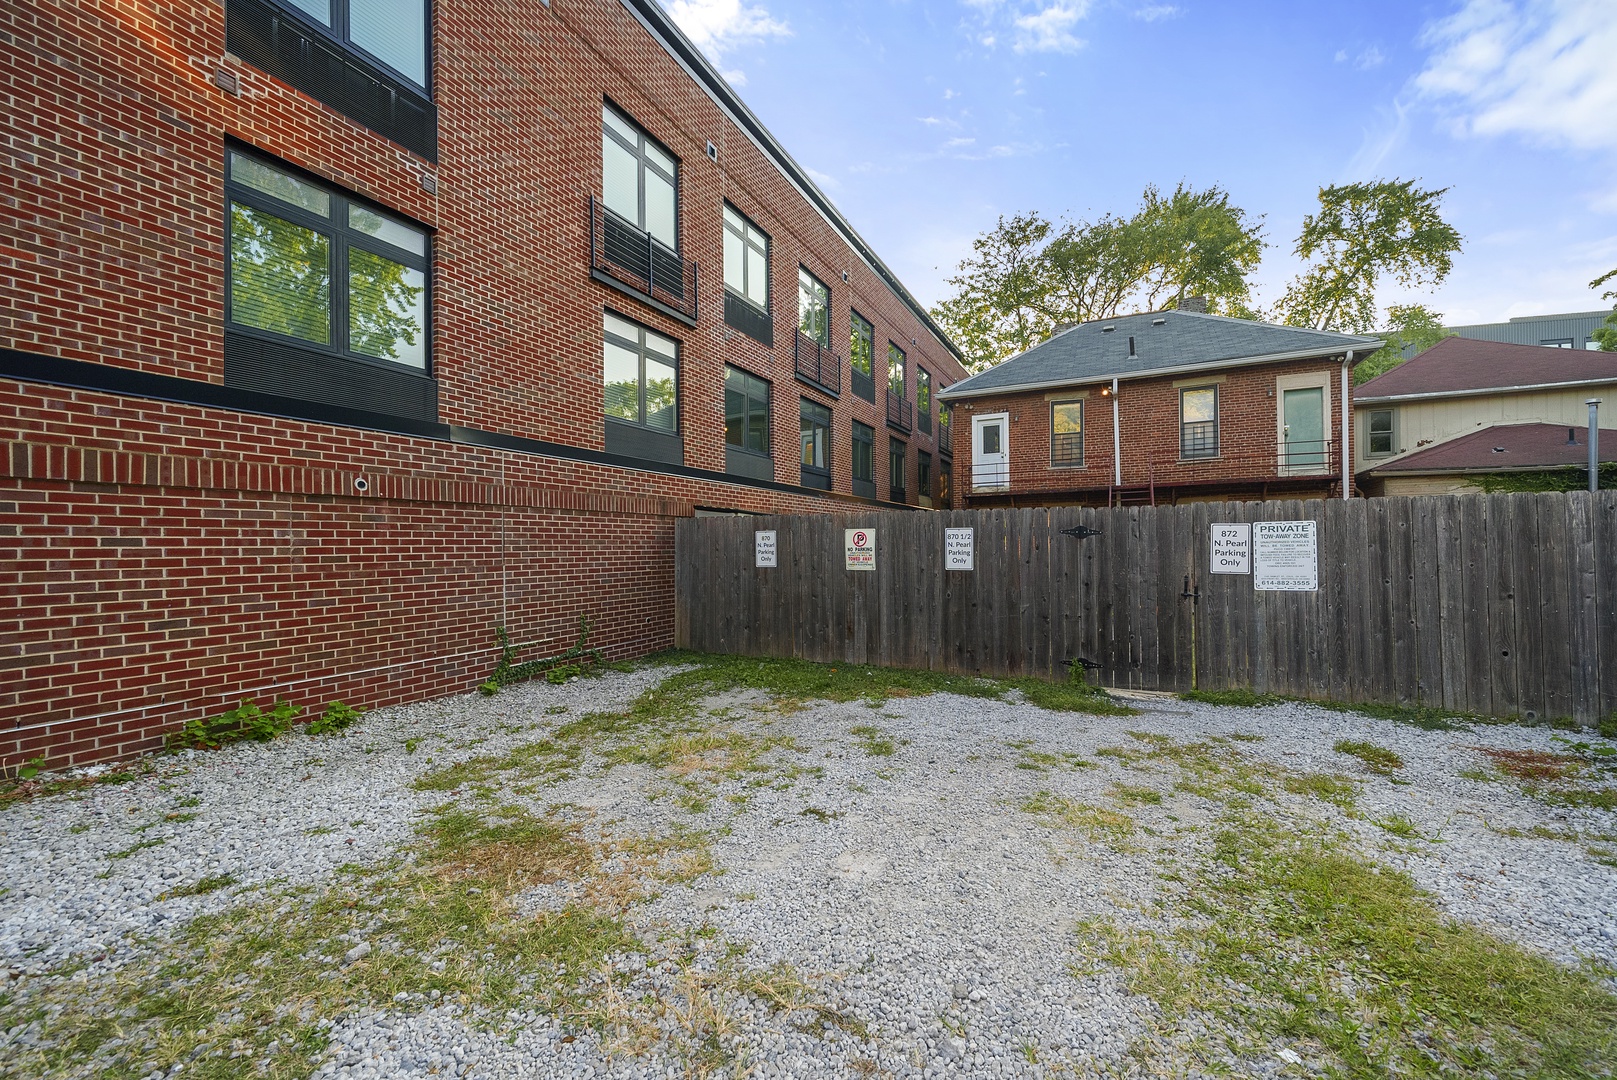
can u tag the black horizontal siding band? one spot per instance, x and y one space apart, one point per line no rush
102 378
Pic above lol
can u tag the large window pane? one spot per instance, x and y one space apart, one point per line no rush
253 173
658 345
622 383
386 309
620 180
861 346
816 435
387 230
394 31
280 275
895 369
660 210
864 452
758 422
320 9
661 396
813 302
757 269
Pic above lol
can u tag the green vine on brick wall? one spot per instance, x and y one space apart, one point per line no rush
1572 479
508 671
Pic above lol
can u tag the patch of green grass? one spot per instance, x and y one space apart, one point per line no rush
1139 796
1355 966
209 884
1425 717
1376 758
819 815
1590 798
874 742
1096 822
1401 827
1338 790
1486 776
128 851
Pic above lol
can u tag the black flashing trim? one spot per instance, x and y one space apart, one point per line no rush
105 379
629 290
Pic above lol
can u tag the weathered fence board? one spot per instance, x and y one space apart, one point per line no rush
1498 604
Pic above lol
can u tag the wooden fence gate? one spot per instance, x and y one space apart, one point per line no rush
1497 605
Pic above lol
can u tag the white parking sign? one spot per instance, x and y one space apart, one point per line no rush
1230 549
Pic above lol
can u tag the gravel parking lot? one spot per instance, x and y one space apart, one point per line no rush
699 869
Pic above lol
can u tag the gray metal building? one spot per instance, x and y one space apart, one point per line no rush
1571 331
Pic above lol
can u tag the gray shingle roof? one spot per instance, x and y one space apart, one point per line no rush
1163 341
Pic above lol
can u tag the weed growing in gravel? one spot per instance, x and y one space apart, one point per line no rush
1139 796
1377 759
1039 761
1290 940
1401 827
246 722
16 790
206 885
1338 790
874 742
337 717
1239 697
1425 717
1098 823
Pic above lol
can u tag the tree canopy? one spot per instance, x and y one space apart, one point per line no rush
1362 233
1028 275
1606 334
1411 329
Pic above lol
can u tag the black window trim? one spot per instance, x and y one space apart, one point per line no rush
854 374
903 366
869 439
897 450
1083 429
769 257
678 178
640 351
801 269
769 412
343 40
923 417
342 237
821 471
923 475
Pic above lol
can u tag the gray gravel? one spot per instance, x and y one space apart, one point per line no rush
933 919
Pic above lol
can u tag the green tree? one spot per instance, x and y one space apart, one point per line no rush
1411 328
1362 233
1606 334
1027 276
1197 243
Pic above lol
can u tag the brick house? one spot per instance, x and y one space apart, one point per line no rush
1163 407
332 341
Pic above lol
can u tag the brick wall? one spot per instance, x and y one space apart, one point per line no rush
1149 420
159 561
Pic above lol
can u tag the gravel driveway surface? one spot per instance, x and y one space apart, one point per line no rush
892 885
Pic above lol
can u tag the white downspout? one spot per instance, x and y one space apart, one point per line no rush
1347 428
1117 441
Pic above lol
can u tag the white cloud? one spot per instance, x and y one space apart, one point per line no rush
735 77
1341 55
716 26
1050 30
1369 58
1157 12
825 180
1539 68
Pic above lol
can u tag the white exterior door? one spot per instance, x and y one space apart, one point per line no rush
991 451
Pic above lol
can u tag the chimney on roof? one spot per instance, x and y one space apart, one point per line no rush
1194 303
1061 328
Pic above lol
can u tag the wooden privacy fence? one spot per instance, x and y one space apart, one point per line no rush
1490 604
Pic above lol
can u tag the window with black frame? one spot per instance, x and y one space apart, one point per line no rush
635 239
816 445
317 280
1066 434
923 400
923 477
895 370
641 375
746 276
945 484
371 60
895 470
1198 422
813 308
862 357
746 424
863 460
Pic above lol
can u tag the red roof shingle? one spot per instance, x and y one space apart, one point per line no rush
1507 446
1456 364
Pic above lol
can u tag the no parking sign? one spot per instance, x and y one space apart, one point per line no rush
861 548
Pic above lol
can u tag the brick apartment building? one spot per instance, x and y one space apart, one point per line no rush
338 332
1163 407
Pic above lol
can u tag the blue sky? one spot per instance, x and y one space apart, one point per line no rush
926 121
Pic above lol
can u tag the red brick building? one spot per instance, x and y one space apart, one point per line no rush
1164 407
336 333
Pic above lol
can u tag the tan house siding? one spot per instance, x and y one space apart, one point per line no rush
1421 423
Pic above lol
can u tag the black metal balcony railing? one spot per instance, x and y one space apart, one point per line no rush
945 442
900 413
1067 450
1306 456
1198 439
862 384
990 475
627 253
819 365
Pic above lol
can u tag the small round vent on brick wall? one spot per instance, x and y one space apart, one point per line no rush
361 484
